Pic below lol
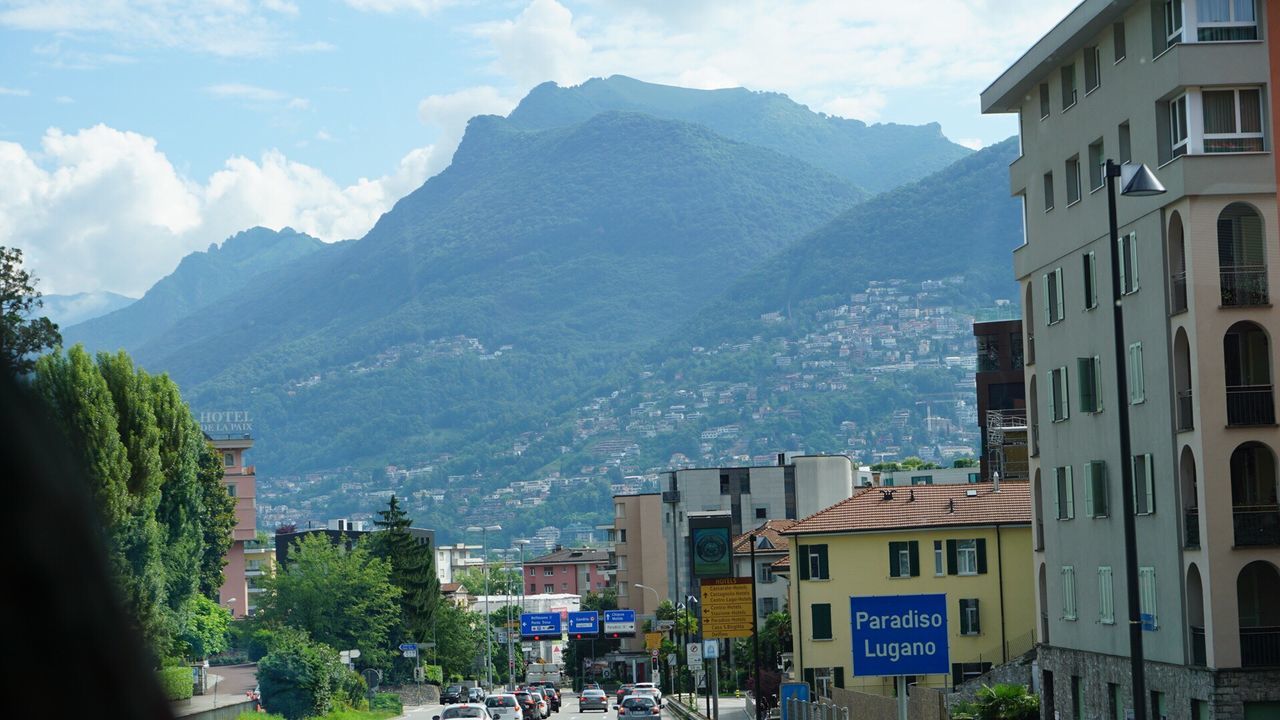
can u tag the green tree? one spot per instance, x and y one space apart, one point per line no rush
299 677
219 519
457 635
204 626
342 598
412 569
502 581
21 334
181 510
964 462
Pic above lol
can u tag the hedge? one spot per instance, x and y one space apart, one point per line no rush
387 701
176 682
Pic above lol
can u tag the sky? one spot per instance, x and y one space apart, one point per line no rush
133 133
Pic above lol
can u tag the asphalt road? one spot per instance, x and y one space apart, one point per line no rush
730 709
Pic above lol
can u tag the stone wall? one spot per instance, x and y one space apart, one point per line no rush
415 694
1014 672
922 704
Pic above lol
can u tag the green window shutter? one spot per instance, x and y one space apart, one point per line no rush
981 544
1071 493
1048 315
1061 305
839 672
1133 260
976 624
1123 261
913 548
1053 395
820 614
893 559
1151 484
823 567
1088 490
1097 384
1057 493
802 556
951 557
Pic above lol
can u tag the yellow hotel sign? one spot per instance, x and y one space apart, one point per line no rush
727 609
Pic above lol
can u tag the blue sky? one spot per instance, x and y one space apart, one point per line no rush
132 133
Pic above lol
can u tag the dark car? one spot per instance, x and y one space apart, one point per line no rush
528 706
639 706
553 697
593 699
623 691
453 694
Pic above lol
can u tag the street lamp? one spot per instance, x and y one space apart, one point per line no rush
488 626
1140 182
684 633
656 602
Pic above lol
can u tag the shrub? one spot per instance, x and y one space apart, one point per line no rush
433 674
299 677
230 657
176 682
387 701
352 688
1007 702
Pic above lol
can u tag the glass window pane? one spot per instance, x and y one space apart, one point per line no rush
1219 111
1250 111
1213 10
1244 11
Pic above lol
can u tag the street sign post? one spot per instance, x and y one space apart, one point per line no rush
710 650
411 653
540 626
619 623
790 690
693 652
408 646
899 635
727 608
665 625
583 625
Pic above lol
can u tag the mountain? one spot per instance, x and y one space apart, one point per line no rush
67 310
875 157
496 294
201 279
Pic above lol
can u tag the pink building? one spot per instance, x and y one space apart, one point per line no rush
241 483
575 570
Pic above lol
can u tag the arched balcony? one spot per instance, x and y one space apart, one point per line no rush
1195 615
1246 354
1253 495
1037 509
1042 586
1190 498
1029 323
1242 261
1257 588
1182 381
1177 266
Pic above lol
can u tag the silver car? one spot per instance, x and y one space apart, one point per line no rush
593 699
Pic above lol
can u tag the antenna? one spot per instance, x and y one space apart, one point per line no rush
951 505
913 495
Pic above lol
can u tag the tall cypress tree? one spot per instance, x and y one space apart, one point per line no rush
219 518
181 512
412 569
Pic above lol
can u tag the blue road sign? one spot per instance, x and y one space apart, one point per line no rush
539 624
789 690
899 635
408 646
586 622
619 621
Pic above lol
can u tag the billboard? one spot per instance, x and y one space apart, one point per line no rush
540 626
899 635
710 543
727 608
619 623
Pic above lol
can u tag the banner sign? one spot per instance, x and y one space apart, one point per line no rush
712 550
899 635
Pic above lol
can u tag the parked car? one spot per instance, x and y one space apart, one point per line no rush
639 706
593 699
504 706
553 697
623 691
453 694
464 710
475 695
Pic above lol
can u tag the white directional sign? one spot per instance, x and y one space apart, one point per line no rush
693 651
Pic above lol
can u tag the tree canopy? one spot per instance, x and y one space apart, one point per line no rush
21 334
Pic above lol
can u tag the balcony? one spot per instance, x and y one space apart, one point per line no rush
1244 286
1178 292
1250 405
1198 656
1260 646
1039 535
1031 348
1186 420
1256 525
1192 528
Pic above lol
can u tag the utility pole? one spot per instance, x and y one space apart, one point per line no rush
755 633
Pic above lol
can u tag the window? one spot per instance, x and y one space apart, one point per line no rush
1068 86
1232 120
1144 491
1147 598
1225 20
622 535
1178 125
904 559
1068 592
619 510
1058 406
813 562
1073 180
1096 158
1137 389
969 622
1117 40
938 568
1096 500
762 513
533 589
1089 383
1172 22
1064 499
1128 263
1158 710
974 478
1092 69
921 479
548 571
1053 300
548 589
768 606
1115 704
1126 145
1090 262
1048 191
564 569
1106 597
967 557
228 459
820 621
1044 100
564 586
231 489
765 576
1077 698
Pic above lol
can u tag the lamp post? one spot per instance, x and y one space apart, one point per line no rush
1140 183
488 626
755 629
656 602
522 543
684 633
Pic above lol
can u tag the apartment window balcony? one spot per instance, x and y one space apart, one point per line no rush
1192 526
1186 420
1256 525
1035 439
1039 535
1178 292
1260 646
1244 286
1198 656
1031 348
1250 405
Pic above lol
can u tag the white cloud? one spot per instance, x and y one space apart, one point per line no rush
540 44
258 95
424 7
104 209
865 106
449 114
64 100
972 143
18 92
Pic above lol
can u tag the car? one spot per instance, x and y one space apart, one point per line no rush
623 691
463 710
652 692
528 706
453 694
475 695
504 706
590 686
639 706
543 710
553 697
593 699
649 686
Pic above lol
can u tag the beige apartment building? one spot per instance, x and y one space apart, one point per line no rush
640 549
1187 87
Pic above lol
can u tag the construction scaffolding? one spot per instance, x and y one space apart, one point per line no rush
1007 447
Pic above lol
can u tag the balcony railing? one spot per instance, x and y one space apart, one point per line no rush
1198 657
1178 291
1031 348
1260 646
1256 525
1035 439
1250 405
1186 421
1192 528
1244 285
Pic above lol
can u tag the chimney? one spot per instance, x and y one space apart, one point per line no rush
995 480
782 458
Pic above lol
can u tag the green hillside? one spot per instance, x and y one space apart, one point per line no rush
876 157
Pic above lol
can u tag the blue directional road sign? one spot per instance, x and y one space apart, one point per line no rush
619 623
539 625
408 646
586 622
899 635
790 690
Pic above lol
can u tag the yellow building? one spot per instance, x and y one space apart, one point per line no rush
969 542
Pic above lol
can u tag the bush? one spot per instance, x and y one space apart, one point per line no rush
176 682
299 677
387 701
230 657
433 674
1007 702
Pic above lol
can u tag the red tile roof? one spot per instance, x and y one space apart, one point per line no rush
921 506
449 588
571 555
770 530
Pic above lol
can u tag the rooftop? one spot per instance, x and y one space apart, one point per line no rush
922 506
571 555
771 540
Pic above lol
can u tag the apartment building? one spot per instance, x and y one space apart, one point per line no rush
241 482
640 551
770 547
1187 87
1002 400
574 571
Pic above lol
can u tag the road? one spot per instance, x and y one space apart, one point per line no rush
731 708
